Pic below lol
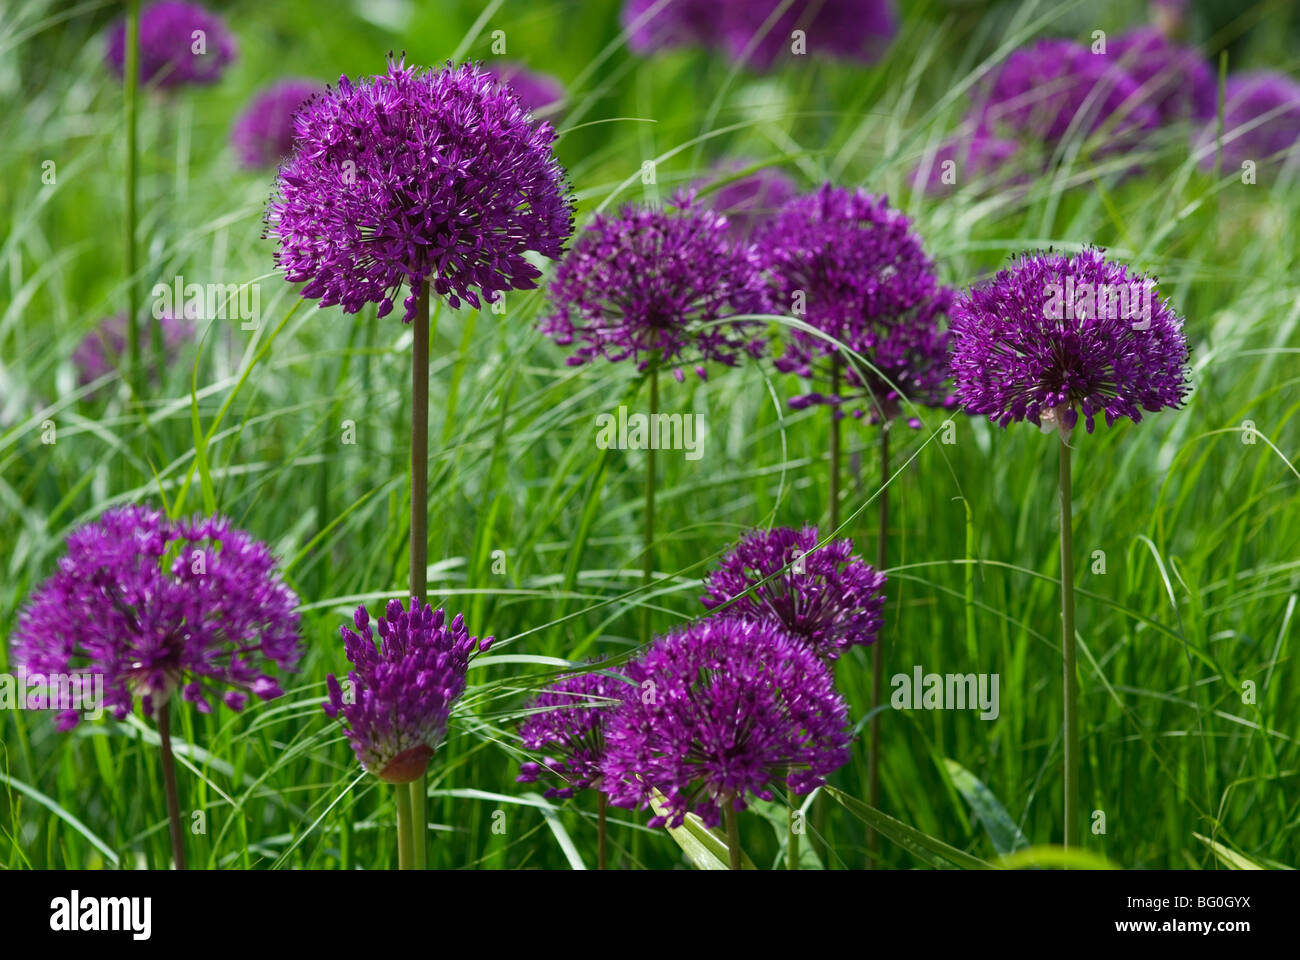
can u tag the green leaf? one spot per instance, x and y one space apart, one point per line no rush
778 815
1002 830
705 848
929 849
1072 858
1227 856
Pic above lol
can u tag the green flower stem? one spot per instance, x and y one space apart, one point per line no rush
733 836
405 838
602 803
417 790
877 658
648 567
1071 729
169 784
135 374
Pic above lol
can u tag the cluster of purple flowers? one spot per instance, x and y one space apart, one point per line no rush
1115 96
181 44
389 183
865 284
762 33
662 284
401 694
731 706
100 351
263 133
1055 335
155 606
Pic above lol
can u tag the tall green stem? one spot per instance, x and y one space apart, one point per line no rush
417 790
135 377
834 466
648 566
405 829
1071 732
602 802
733 835
169 784
877 657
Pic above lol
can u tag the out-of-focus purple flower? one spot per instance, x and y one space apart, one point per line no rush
826 598
180 44
401 694
1173 80
658 280
1261 121
154 605
861 275
662 24
750 200
857 30
568 729
722 710
413 176
1055 87
1055 335
978 157
263 133
536 91
101 350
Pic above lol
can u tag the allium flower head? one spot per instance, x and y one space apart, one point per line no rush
826 598
1174 80
101 350
858 30
978 157
862 276
263 133
1055 335
416 175
568 729
536 91
401 693
676 23
154 605
1057 87
750 200
1261 121
180 44
723 710
658 279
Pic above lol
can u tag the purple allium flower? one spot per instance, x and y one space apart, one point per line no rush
1057 334
1261 120
263 133
413 175
400 695
535 91
568 729
863 278
1174 80
676 23
100 351
827 598
977 157
844 29
658 279
154 605
1056 87
171 36
721 710
750 200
